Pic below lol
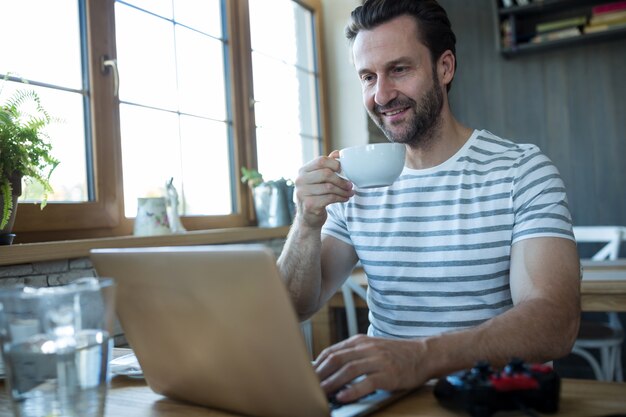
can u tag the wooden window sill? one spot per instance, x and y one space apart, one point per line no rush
69 249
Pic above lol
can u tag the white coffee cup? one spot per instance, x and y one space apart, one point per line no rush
372 165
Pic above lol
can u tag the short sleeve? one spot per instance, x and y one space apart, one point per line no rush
539 199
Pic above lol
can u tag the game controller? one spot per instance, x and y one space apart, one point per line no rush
481 391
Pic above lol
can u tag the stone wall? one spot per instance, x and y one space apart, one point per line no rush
47 273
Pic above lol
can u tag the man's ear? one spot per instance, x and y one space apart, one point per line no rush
446 67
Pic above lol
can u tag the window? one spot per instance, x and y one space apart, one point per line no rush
182 128
204 89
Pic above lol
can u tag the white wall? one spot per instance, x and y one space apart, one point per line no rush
346 114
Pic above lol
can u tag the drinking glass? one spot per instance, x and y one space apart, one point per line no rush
56 347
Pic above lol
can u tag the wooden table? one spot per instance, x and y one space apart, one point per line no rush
579 398
603 287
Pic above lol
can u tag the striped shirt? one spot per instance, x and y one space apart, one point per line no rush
436 244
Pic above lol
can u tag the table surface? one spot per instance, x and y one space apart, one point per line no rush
603 287
128 397
607 270
579 398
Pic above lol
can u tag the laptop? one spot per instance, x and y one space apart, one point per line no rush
214 326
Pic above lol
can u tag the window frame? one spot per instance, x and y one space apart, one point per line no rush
105 217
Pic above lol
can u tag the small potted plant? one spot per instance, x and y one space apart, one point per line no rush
273 200
252 177
25 152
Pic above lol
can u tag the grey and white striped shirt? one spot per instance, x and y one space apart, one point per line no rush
436 244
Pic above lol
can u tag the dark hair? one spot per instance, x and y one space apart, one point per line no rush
433 25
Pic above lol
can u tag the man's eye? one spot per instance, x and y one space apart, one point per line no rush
399 70
367 78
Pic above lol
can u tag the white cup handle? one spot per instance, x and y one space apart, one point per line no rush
341 174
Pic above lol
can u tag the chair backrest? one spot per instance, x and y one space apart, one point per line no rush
611 235
349 288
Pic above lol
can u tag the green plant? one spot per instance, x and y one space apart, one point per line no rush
24 147
251 177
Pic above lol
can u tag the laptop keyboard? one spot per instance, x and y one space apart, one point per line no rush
334 404
364 405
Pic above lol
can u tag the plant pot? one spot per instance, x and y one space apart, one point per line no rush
6 237
273 203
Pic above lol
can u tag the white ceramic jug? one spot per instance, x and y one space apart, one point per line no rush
151 217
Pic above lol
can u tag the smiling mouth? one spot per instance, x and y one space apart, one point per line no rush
394 112
394 108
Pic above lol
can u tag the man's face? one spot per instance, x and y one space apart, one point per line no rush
401 91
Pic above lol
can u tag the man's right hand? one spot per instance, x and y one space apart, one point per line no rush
314 265
317 186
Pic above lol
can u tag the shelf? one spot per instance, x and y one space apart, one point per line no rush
518 25
548 6
527 48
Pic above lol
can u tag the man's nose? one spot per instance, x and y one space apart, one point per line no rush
385 91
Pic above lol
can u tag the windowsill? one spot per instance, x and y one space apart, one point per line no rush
69 249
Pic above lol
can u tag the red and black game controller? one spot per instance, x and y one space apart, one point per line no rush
481 391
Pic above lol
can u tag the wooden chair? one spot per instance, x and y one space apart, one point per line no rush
606 337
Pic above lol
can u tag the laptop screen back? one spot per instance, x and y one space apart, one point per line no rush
213 325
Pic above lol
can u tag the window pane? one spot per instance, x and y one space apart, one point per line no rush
276 40
146 58
292 40
200 74
285 87
42 45
311 147
304 38
160 7
204 16
279 153
307 103
276 88
49 52
66 134
206 167
150 153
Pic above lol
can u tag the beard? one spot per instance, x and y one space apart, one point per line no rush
423 117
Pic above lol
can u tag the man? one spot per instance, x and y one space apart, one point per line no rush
469 254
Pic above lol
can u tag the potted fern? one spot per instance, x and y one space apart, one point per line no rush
24 153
